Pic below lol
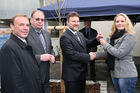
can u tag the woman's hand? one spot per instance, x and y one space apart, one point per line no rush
102 42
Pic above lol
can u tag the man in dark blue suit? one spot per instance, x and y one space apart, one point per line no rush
75 56
90 33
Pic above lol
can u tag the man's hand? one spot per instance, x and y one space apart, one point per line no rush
52 60
92 56
45 57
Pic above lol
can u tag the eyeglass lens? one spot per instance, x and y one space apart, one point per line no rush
38 19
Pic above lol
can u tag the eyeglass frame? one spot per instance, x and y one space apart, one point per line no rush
38 19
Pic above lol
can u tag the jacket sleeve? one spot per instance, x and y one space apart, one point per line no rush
125 47
101 54
70 52
11 74
92 42
37 56
50 47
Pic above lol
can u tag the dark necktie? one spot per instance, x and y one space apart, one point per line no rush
87 32
42 40
25 43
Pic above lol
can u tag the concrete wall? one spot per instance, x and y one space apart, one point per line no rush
9 8
137 46
105 28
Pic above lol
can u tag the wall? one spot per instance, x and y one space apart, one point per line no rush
9 8
55 42
137 49
105 27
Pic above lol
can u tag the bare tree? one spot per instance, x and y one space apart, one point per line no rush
57 8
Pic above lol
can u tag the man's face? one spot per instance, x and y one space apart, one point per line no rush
73 23
87 24
20 27
37 21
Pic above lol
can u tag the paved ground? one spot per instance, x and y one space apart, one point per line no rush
102 77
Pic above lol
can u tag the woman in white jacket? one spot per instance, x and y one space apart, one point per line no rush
119 52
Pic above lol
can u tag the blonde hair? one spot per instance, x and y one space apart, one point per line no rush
128 26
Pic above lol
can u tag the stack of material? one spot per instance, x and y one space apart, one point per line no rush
91 87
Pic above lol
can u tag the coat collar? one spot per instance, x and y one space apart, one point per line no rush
34 35
18 41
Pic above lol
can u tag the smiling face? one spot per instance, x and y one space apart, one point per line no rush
20 26
120 23
73 23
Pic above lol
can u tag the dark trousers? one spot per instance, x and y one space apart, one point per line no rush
92 71
45 88
75 86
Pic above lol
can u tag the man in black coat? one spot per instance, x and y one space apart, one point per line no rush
90 33
19 68
75 56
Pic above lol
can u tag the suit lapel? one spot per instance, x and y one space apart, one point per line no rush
75 39
81 39
37 40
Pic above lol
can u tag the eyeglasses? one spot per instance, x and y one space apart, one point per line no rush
38 19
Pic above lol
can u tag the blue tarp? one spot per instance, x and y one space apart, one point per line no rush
89 8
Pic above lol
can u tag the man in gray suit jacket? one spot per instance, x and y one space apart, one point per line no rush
40 41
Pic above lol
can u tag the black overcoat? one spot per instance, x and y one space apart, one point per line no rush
19 69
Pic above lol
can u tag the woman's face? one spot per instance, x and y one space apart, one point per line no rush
120 23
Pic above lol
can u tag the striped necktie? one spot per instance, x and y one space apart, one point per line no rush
77 37
42 40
